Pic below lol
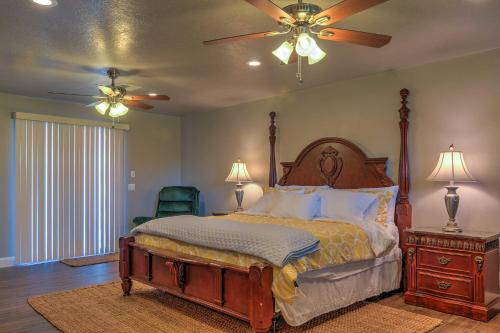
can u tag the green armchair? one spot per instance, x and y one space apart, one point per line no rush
174 200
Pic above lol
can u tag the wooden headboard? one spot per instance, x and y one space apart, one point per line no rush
342 164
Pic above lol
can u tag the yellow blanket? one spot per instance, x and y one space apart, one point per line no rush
340 243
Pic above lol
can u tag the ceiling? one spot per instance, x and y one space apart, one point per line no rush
157 44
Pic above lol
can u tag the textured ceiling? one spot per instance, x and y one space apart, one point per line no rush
157 43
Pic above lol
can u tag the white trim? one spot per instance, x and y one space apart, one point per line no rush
67 120
7 262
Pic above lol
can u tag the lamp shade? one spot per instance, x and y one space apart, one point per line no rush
118 110
284 52
305 44
316 55
238 173
451 168
102 107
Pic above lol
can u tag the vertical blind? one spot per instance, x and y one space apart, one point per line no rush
70 190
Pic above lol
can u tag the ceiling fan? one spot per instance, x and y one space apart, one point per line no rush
114 99
302 20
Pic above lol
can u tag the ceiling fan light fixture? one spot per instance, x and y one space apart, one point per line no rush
102 107
118 110
284 51
305 44
316 55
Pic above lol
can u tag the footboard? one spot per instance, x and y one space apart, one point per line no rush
241 292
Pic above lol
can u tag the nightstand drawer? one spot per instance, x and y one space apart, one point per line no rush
445 285
448 262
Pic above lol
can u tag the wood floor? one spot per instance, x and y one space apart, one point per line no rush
17 283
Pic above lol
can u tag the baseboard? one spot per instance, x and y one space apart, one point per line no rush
7 262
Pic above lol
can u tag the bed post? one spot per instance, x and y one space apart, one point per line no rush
261 297
272 142
125 263
403 209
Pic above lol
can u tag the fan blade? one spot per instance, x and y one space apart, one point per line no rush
91 105
272 10
355 37
345 9
107 91
255 35
68 94
144 97
138 105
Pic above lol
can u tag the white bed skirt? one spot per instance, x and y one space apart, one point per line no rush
329 291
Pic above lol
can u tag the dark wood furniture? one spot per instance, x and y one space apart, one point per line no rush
453 273
244 292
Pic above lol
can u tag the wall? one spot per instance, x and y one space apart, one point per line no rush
153 151
455 101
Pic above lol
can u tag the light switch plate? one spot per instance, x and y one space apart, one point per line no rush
131 187
132 174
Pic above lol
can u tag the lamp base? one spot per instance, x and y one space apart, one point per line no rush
451 201
452 227
239 196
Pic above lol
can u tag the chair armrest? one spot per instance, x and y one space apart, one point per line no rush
141 219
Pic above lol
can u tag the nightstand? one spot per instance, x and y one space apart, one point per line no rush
220 213
453 273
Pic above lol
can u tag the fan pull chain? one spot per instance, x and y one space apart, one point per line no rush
299 69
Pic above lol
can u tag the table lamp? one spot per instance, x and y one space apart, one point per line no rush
451 168
239 175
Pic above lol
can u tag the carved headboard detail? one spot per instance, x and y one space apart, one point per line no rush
335 162
342 164
330 164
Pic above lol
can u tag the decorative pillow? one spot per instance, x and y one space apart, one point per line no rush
307 189
264 204
295 205
384 211
345 205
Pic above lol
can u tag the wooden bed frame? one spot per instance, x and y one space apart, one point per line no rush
245 293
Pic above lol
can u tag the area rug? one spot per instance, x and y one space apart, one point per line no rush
85 261
104 309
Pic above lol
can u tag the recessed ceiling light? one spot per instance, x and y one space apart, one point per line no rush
46 3
253 63
152 94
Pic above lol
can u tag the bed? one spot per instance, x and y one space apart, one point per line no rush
246 291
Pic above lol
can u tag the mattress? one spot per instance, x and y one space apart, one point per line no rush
326 290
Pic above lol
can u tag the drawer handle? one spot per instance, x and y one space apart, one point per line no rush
443 285
444 260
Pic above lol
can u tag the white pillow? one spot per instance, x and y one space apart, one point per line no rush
264 204
295 205
391 205
345 205
307 189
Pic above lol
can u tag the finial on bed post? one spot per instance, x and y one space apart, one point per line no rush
272 142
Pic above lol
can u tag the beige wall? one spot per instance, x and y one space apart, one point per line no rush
456 101
153 151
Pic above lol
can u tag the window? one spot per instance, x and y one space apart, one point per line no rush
70 196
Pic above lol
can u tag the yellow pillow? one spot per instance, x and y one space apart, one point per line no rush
384 197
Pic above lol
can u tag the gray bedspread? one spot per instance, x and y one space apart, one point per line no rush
274 243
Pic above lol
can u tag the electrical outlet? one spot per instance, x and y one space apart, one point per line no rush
131 187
